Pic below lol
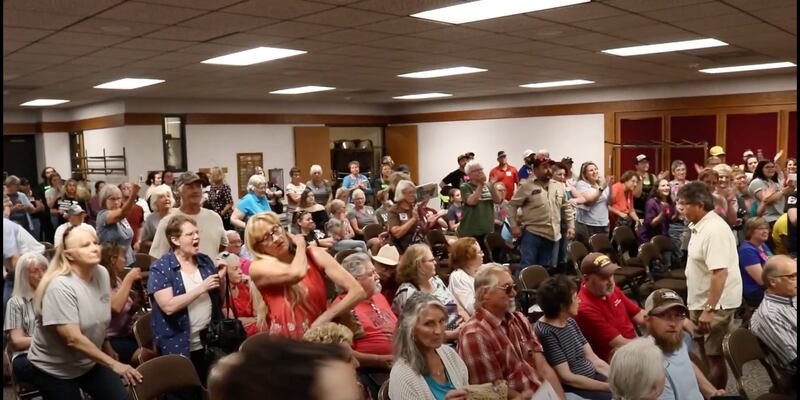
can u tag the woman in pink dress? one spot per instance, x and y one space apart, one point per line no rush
290 278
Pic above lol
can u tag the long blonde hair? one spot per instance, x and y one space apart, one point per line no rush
254 231
59 266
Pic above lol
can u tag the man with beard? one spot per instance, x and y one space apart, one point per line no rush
499 343
385 262
605 315
544 205
665 318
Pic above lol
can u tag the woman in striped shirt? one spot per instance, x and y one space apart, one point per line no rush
580 370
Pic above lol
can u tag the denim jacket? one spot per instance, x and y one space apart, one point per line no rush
171 332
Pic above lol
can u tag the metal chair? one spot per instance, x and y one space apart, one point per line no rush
741 347
576 252
255 342
22 390
341 255
529 280
164 374
651 259
498 249
144 339
372 231
599 243
143 261
626 243
383 392
664 245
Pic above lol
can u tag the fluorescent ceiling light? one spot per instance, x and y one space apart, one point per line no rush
488 9
302 89
43 102
422 96
253 56
435 73
665 47
556 83
128 83
753 67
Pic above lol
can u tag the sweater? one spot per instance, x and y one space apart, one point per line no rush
405 384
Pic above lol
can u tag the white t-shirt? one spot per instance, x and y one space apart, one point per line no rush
712 246
293 189
209 223
59 236
199 309
462 286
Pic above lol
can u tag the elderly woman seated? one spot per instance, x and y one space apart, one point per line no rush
637 371
254 202
466 257
340 230
20 319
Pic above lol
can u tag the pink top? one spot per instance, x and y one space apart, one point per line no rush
283 320
379 322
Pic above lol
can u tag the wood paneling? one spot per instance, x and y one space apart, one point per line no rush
21 129
400 142
312 146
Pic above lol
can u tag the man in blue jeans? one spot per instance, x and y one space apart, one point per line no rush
544 205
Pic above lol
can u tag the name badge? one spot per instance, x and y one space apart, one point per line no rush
508 173
403 216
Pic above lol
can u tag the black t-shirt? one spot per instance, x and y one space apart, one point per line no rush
63 203
453 180
314 235
640 203
791 202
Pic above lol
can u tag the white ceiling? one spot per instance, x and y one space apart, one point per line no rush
61 48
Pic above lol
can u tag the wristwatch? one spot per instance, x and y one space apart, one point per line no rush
708 308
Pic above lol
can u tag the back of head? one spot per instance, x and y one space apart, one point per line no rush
637 371
280 369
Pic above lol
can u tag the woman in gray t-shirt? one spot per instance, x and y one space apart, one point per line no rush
112 226
70 352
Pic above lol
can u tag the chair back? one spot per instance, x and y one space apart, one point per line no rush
626 242
438 243
143 261
255 342
577 251
144 246
532 276
372 231
599 243
662 243
165 374
383 392
650 258
143 332
496 245
741 347
22 390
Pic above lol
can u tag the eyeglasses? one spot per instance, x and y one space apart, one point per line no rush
679 316
270 237
508 288
789 276
367 274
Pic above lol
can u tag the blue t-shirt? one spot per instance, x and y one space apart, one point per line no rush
439 390
120 233
251 205
525 172
749 254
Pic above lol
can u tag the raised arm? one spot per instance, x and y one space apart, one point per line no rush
343 279
268 272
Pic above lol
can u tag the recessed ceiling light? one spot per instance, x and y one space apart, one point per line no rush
43 102
752 67
435 73
254 56
488 9
665 47
128 83
556 83
302 89
422 96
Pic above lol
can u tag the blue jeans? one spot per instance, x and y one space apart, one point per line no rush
125 346
23 369
100 383
536 250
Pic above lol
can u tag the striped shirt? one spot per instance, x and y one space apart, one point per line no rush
565 345
775 323
20 315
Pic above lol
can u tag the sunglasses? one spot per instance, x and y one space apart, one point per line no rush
508 288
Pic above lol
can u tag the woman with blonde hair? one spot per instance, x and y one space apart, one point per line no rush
219 196
20 318
416 272
289 278
70 351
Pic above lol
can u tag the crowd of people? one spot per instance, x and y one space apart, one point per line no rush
350 264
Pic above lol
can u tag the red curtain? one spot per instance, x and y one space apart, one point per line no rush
635 131
751 131
696 128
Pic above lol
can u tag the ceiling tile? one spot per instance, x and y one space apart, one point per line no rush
250 40
647 33
12 45
700 24
36 58
350 36
226 22
703 10
212 49
36 19
293 29
125 54
578 12
405 7
451 33
278 9
308 45
66 37
612 24
59 49
639 5
506 24
404 25
152 13
24 34
188 34
97 25
201 4
749 5
345 17
69 7
154 44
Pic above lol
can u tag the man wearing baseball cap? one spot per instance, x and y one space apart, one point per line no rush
646 182
605 315
718 152
544 205
665 319
75 216
505 173
209 223
525 170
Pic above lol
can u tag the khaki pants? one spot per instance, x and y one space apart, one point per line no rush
720 326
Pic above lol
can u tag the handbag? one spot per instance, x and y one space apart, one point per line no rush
223 335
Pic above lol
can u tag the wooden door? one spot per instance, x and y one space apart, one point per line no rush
400 142
312 146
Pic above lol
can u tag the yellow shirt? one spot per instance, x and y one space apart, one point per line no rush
781 228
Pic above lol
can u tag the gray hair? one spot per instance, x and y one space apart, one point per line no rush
637 369
356 263
405 346
473 164
254 181
22 286
108 190
11 180
231 232
723 169
357 191
697 193
401 187
157 192
772 268
315 168
676 164
487 276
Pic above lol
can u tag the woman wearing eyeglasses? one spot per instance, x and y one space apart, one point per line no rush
416 272
591 203
288 275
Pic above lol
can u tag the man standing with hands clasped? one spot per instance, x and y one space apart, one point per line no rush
544 204
712 276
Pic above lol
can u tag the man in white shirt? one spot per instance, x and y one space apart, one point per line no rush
75 216
209 223
713 278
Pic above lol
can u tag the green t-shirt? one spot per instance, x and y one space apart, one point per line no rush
476 220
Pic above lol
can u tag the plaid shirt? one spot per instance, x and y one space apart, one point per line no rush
500 349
